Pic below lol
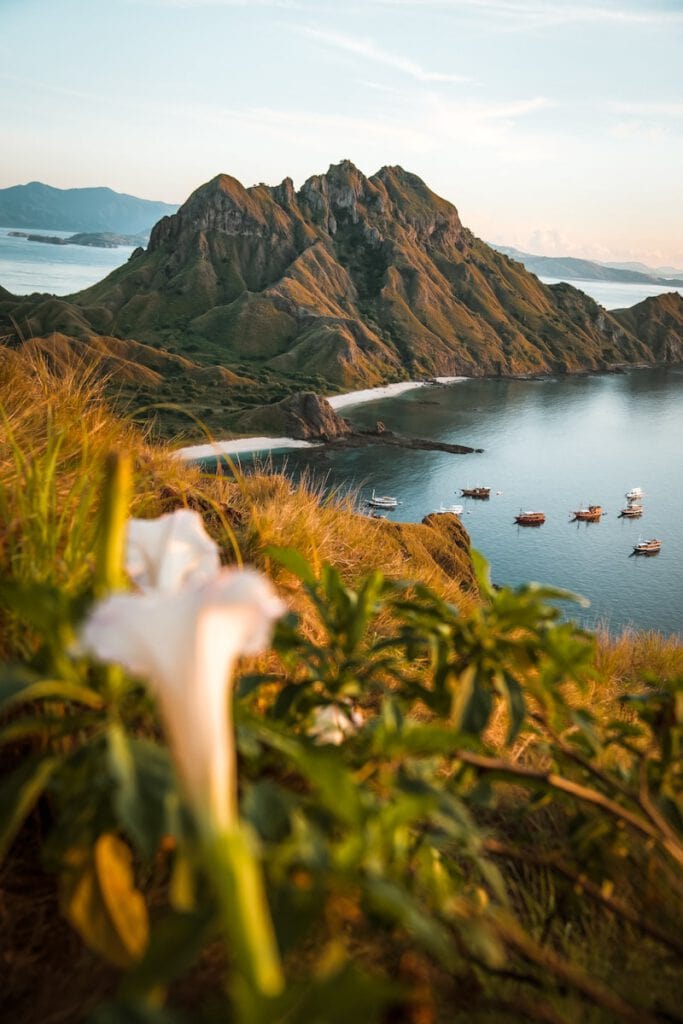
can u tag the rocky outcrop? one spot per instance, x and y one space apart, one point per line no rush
658 321
304 416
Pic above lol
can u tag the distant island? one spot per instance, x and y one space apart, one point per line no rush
95 239
89 210
569 268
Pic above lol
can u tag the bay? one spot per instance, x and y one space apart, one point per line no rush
27 267
616 294
552 445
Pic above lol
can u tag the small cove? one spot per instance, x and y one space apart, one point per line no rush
552 445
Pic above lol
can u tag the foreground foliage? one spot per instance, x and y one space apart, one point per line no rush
447 824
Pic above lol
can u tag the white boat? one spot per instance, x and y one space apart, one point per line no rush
382 501
455 510
635 493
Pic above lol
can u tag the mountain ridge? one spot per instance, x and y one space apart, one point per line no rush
97 209
577 269
350 281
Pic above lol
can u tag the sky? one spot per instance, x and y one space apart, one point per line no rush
555 126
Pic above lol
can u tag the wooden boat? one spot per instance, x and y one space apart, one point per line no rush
648 547
476 492
588 515
455 510
530 518
382 501
631 512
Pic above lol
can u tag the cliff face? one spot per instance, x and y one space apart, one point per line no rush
659 323
351 279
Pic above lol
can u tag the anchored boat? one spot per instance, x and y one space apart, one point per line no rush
530 518
648 547
631 512
382 501
635 494
476 492
588 515
455 510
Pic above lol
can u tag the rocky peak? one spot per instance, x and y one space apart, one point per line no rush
343 193
222 204
284 193
433 220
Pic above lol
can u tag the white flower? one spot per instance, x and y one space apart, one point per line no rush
332 725
171 551
186 644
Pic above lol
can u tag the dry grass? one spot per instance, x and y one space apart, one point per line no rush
57 433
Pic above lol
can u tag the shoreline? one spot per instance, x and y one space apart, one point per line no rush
386 391
244 445
240 446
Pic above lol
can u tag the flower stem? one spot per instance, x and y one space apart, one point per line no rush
247 925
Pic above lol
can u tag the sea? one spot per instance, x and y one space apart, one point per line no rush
616 294
551 445
27 267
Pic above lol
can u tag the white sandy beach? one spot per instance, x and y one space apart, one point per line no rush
385 391
242 445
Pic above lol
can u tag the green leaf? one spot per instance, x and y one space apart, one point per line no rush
145 795
19 793
472 702
397 905
43 606
14 679
295 562
482 573
49 689
516 708
99 898
174 945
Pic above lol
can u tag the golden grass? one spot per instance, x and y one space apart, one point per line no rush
57 433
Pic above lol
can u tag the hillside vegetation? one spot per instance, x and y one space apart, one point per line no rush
496 834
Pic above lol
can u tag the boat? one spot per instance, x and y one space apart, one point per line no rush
632 511
588 515
476 492
455 510
382 501
647 547
635 494
530 518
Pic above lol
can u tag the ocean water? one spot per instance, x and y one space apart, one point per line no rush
552 446
27 267
616 294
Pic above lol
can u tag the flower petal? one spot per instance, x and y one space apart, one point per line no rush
171 551
186 644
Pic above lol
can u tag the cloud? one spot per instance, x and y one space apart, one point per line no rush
294 5
545 13
368 50
668 109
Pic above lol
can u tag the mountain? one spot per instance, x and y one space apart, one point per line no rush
351 281
78 209
569 268
667 272
659 323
